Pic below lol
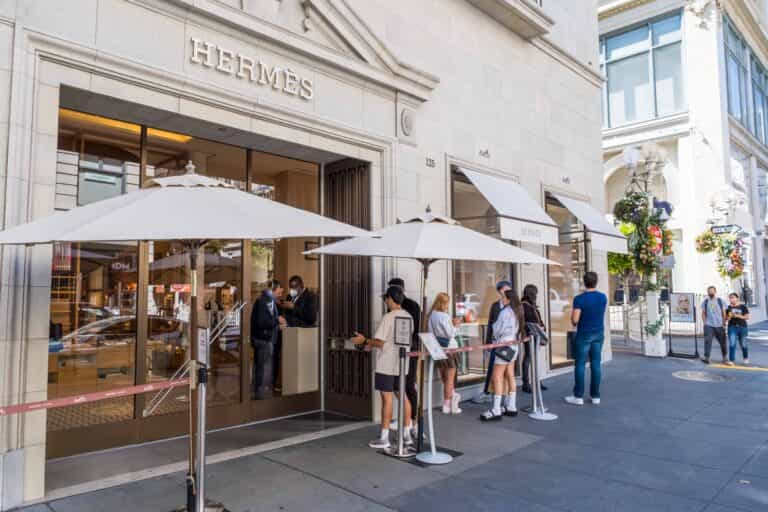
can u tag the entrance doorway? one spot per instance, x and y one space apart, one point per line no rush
119 312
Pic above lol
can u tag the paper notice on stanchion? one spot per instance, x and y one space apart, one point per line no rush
203 335
436 352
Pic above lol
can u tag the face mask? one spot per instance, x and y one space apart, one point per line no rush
293 293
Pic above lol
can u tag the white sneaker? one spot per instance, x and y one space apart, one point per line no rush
596 401
447 407
379 444
574 401
746 361
455 401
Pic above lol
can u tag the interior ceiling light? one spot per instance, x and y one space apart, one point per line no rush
73 115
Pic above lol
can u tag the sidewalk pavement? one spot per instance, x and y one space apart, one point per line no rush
656 443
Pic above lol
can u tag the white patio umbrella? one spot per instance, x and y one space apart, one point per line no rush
427 239
191 209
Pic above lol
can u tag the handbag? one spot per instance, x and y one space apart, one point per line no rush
505 353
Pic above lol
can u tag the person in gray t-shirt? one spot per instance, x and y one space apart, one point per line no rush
713 317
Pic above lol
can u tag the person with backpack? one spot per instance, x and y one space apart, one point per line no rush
713 316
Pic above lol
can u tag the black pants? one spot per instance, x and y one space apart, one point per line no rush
410 385
277 359
526 371
717 333
262 355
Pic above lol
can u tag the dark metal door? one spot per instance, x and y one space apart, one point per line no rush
347 290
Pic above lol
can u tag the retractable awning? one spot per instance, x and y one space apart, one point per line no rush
603 235
520 216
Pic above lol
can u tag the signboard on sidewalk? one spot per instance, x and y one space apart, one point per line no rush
436 352
681 307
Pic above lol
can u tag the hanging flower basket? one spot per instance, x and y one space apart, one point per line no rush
707 242
632 208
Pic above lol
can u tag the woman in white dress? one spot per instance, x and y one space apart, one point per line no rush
508 327
444 329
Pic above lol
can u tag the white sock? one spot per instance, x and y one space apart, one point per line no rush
497 404
512 401
447 403
385 434
407 432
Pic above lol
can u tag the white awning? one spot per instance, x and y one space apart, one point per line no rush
603 235
520 216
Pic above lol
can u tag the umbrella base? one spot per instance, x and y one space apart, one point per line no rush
210 506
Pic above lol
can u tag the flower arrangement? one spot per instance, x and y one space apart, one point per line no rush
632 208
707 242
728 249
730 262
666 236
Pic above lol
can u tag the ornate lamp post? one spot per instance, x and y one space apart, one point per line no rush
645 165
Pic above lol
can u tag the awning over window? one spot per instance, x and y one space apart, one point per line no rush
520 216
603 235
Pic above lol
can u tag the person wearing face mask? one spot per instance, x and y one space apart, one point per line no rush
266 323
300 309
714 318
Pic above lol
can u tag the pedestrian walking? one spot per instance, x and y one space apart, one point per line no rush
444 329
386 379
588 316
532 315
493 315
714 318
738 330
413 309
508 327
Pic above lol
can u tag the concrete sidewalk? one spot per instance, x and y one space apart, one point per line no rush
657 443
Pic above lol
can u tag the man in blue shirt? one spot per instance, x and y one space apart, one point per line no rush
588 316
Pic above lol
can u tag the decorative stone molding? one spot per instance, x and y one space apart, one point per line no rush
703 10
619 6
520 16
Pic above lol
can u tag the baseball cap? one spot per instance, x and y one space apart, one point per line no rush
397 281
502 284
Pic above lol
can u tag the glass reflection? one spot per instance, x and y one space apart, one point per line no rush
92 330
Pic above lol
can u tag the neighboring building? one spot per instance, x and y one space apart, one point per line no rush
686 79
363 110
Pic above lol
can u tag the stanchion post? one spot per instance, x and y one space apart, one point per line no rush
539 412
432 456
401 403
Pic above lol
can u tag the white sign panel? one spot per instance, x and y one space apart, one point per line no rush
681 307
513 229
436 352
202 345
403 331
607 243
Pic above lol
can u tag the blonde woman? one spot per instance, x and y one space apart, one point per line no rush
444 329
508 327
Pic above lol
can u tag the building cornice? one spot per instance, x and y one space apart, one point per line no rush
521 17
746 18
619 6
746 141
568 60
669 127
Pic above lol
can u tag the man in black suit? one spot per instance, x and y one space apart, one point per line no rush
300 309
413 309
266 323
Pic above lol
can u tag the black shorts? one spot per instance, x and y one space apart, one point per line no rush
386 383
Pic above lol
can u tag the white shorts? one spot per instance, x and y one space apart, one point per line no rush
501 362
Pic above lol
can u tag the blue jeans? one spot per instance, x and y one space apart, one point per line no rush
738 333
590 345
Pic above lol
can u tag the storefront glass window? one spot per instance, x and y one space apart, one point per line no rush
474 282
98 158
92 330
289 366
564 281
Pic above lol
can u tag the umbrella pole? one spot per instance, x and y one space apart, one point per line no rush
194 487
422 324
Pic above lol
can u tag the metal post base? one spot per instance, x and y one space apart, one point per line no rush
392 451
434 458
210 506
543 416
